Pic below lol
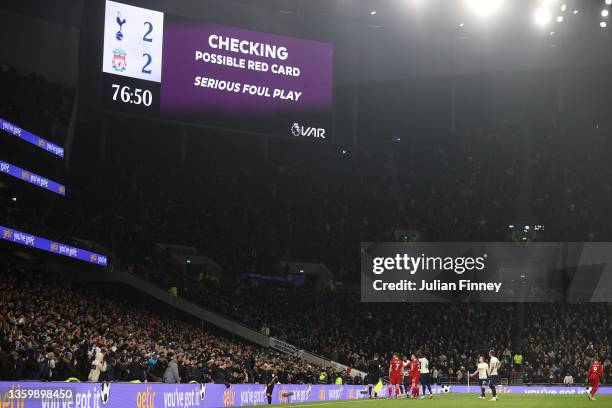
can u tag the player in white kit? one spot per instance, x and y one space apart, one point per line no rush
425 376
406 383
494 365
482 370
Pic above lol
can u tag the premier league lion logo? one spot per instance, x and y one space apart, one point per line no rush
105 393
295 129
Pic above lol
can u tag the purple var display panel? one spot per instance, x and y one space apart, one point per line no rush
235 78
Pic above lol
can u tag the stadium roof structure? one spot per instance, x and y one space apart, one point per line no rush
378 40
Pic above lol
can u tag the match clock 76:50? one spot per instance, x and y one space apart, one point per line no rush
136 96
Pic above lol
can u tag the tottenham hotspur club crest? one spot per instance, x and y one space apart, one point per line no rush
121 22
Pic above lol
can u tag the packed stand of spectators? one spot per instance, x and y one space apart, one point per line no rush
558 339
563 340
338 326
56 330
78 327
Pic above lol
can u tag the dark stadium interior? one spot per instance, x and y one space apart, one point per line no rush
442 132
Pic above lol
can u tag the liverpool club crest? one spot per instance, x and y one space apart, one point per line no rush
119 62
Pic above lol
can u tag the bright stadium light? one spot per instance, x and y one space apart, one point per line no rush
575 12
484 8
608 2
559 19
563 7
542 17
604 13
603 24
372 12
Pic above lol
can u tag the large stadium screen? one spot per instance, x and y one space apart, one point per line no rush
191 71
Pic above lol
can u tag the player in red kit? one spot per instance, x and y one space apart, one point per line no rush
415 375
395 374
595 371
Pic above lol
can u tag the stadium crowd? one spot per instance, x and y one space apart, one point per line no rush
563 339
54 330
556 341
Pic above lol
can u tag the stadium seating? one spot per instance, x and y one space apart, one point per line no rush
51 329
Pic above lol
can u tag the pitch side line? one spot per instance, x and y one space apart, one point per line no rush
331 402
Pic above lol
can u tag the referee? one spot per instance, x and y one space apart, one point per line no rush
270 378
374 370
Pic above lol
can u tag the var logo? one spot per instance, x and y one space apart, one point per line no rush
298 130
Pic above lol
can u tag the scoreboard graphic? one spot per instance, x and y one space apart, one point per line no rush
187 70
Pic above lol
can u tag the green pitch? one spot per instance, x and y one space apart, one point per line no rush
470 400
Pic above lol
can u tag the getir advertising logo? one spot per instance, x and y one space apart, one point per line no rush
146 398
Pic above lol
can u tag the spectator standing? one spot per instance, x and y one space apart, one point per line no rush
171 375
47 370
98 366
518 359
